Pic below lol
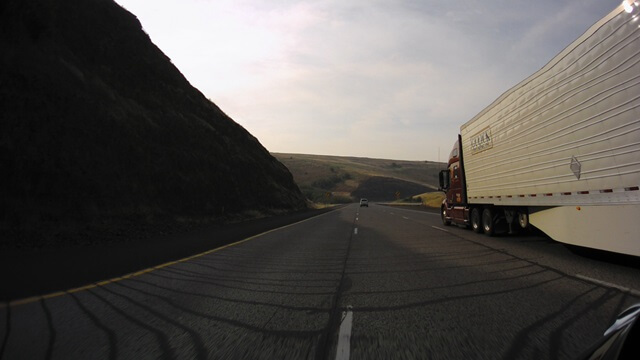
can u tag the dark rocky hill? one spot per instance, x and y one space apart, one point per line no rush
100 131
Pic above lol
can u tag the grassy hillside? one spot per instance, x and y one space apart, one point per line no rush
101 133
431 199
349 178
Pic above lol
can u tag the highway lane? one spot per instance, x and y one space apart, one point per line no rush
377 282
463 295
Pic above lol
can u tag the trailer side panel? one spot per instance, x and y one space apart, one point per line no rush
568 134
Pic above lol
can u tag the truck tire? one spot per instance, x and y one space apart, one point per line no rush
443 215
487 222
476 222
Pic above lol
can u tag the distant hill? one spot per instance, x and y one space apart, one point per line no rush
325 178
100 132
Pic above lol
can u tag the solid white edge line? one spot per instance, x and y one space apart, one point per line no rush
609 285
343 351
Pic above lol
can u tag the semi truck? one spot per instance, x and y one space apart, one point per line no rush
560 151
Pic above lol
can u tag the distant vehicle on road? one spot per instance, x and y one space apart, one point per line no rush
560 150
364 202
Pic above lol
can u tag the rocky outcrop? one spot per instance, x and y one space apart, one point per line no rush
97 125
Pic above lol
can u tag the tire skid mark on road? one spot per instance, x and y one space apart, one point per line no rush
576 277
50 328
252 269
300 334
448 286
308 309
283 283
199 347
109 333
7 332
209 281
557 334
437 268
37 298
517 344
418 304
161 338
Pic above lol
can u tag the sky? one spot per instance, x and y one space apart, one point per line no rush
390 79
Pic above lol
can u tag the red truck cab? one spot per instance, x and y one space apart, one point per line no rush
452 183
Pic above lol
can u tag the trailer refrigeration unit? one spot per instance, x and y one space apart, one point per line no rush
560 150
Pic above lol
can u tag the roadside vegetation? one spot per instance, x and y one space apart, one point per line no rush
343 179
429 199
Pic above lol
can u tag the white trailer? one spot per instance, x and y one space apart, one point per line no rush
560 150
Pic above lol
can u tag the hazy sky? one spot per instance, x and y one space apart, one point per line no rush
388 79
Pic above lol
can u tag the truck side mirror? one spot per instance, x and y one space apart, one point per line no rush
443 176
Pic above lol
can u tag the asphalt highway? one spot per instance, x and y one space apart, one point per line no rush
360 283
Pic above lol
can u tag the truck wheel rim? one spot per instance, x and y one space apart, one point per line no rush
486 222
523 220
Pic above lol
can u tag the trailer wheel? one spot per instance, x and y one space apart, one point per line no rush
523 220
443 215
487 222
476 224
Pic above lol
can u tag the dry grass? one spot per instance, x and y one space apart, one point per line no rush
431 199
341 176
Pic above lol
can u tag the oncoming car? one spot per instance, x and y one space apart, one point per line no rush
364 202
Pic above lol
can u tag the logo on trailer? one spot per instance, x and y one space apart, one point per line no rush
481 141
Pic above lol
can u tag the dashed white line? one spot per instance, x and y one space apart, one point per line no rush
406 218
355 231
343 351
441 229
356 219
609 285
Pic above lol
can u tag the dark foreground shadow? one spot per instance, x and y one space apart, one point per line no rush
37 272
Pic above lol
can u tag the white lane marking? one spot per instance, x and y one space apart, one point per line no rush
356 219
344 336
406 218
441 229
609 285
355 231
